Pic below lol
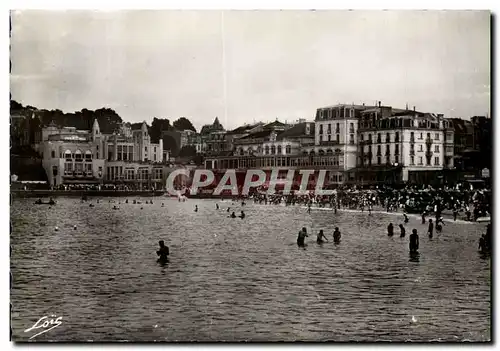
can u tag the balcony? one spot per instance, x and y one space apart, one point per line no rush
331 142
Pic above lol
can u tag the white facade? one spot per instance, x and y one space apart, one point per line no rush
70 155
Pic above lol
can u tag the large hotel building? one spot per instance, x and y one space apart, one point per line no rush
355 143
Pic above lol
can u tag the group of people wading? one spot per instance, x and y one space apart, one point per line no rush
320 239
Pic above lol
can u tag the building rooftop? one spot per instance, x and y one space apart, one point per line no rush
298 130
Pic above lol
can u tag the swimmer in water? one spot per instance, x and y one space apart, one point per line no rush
403 231
162 204
320 237
430 231
302 237
482 243
233 215
242 215
163 252
228 209
390 230
196 208
336 235
414 241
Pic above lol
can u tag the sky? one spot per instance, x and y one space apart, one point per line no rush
248 66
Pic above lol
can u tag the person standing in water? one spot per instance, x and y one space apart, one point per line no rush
302 237
406 218
403 231
390 230
336 235
216 206
430 231
242 215
414 241
423 217
233 215
163 252
320 237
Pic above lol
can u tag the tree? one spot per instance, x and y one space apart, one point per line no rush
187 151
183 124
157 127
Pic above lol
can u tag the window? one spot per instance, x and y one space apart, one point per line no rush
53 154
67 155
379 138
337 129
78 156
388 138
351 126
329 138
351 139
145 149
379 152
338 138
329 128
88 155
396 137
396 159
437 136
362 137
387 159
412 136
421 136
421 148
288 149
321 138
68 168
154 149
436 161
396 149
88 168
436 148
369 137
267 147
320 129
412 160
154 157
387 149
428 135
420 161
279 150
379 160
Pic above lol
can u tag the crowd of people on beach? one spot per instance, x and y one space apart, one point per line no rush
459 199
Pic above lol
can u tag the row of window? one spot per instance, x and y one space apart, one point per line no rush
412 160
337 128
337 112
337 139
277 162
396 148
117 172
396 137
77 168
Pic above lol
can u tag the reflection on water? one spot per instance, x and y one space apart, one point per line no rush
241 279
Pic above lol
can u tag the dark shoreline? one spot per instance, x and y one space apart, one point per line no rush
80 193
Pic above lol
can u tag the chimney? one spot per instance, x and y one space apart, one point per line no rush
363 104
379 103
406 106
414 108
